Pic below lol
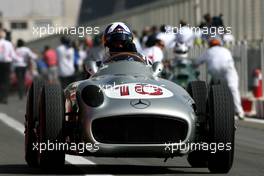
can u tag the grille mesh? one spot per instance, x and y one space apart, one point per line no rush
139 129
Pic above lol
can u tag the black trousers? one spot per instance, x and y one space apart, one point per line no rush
20 74
4 81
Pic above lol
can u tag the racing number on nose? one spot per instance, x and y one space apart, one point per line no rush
124 90
142 89
148 89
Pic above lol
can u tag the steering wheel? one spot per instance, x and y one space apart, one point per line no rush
124 56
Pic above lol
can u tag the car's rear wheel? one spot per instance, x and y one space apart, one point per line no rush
31 118
51 126
221 128
199 93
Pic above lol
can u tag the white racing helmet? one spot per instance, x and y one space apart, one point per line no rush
117 32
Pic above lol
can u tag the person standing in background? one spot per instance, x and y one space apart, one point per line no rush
151 40
76 48
7 55
50 58
144 37
80 54
65 55
155 53
42 67
136 41
98 51
21 64
167 36
221 67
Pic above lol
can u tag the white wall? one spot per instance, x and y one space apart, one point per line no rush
26 8
58 12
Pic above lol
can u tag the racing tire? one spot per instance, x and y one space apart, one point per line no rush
221 128
199 93
197 159
31 118
51 126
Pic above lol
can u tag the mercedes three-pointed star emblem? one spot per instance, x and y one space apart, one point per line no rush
140 104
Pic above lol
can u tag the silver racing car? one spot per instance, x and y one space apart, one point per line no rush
125 110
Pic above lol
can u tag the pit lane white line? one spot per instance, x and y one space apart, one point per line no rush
19 127
254 120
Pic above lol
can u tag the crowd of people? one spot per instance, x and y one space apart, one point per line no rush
62 64
19 64
65 64
13 59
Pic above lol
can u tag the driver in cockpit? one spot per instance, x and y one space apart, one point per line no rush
118 38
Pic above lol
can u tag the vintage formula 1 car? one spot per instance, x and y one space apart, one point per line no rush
125 110
181 72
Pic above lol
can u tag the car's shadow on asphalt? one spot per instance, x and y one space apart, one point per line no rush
99 169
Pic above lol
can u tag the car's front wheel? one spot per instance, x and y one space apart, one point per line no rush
51 126
31 120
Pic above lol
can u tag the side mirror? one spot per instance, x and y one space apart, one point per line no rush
90 67
157 68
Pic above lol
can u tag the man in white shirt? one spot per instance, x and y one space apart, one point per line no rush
137 42
167 36
24 57
66 62
221 67
155 53
7 54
